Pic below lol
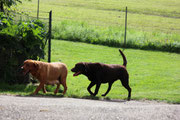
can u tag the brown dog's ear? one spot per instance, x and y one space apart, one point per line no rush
36 65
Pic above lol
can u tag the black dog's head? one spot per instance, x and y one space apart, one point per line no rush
80 68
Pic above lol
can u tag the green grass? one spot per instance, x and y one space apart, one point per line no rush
151 24
153 75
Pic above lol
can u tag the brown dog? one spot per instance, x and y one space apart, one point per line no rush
46 73
99 73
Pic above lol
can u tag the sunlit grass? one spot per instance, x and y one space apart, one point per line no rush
148 15
153 75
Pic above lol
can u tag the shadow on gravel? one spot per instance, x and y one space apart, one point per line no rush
47 95
106 99
50 95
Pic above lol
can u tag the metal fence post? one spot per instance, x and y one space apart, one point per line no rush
49 45
38 10
125 27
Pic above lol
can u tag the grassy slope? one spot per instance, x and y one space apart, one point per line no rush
151 24
153 75
148 15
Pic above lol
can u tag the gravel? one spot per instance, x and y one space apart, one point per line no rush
55 108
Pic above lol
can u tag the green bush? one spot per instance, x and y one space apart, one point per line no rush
5 21
18 43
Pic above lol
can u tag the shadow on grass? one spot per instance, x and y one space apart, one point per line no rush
12 88
26 91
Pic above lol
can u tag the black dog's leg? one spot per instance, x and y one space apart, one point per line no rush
126 85
97 89
90 86
129 91
109 88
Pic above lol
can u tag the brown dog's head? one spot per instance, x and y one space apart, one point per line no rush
29 66
80 68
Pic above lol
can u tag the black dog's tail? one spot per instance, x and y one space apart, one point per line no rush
124 58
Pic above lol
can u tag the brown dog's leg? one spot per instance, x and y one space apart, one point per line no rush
38 88
44 89
64 85
58 85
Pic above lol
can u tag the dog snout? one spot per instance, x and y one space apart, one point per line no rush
73 69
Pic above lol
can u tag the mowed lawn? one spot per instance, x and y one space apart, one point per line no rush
153 75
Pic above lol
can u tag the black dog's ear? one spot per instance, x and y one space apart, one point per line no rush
86 67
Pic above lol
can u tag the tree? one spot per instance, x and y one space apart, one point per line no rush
8 4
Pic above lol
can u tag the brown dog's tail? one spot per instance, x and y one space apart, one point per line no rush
124 58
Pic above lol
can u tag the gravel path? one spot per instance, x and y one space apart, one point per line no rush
50 108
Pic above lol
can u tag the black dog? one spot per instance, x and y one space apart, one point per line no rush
99 73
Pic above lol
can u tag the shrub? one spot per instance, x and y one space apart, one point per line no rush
18 43
5 21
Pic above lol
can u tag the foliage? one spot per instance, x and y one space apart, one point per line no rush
8 4
5 21
19 42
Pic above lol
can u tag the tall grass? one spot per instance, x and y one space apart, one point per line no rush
114 36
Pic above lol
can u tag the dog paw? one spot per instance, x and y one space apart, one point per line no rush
55 92
44 92
128 99
103 95
94 95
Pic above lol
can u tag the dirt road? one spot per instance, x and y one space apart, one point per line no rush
50 108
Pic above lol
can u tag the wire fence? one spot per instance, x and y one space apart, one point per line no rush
26 17
96 19
147 20
95 14
108 14
119 21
